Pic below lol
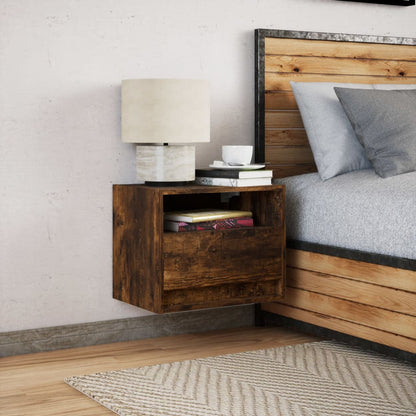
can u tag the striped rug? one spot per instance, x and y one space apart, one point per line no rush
313 379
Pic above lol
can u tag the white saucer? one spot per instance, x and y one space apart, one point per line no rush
240 167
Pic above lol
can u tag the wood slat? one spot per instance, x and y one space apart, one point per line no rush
338 66
282 171
283 119
348 289
358 313
280 82
281 46
289 155
286 137
340 325
357 270
280 100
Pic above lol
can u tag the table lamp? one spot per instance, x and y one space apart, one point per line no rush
165 117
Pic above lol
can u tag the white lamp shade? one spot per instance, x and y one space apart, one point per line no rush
165 111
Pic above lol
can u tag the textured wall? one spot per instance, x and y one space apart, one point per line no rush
61 62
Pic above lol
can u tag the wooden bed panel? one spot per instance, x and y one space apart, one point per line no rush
304 60
344 288
359 313
366 300
353 297
343 326
396 278
371 301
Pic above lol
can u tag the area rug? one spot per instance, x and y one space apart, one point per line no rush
312 379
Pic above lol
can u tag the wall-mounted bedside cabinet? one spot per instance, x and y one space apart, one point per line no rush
166 271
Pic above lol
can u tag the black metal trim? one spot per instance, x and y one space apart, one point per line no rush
336 37
259 145
168 184
390 2
258 315
374 258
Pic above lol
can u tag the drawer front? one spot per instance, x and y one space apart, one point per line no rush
223 295
212 258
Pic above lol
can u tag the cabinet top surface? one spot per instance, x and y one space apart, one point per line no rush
194 189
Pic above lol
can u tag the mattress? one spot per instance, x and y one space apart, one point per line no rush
357 210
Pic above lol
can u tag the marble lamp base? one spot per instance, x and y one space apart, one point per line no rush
165 164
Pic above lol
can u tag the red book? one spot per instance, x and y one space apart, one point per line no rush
221 224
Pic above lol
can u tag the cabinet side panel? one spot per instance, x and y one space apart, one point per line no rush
119 219
137 221
269 207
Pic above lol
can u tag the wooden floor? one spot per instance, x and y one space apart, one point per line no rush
32 384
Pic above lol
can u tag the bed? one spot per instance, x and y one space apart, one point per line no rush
350 280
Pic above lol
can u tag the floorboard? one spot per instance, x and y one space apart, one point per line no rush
32 384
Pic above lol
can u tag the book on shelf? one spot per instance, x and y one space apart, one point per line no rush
221 224
204 180
234 174
205 215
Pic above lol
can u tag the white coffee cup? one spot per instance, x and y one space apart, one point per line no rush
237 155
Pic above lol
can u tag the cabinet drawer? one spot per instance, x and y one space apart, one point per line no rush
209 258
223 295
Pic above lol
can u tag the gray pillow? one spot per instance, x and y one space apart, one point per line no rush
332 139
385 123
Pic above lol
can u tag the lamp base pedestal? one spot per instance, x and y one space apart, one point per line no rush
165 165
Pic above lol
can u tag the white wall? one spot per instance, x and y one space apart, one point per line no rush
61 63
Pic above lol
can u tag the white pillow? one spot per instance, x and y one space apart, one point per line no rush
334 145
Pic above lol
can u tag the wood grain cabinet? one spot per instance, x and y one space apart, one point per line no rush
164 271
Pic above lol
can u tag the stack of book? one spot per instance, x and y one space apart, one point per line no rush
199 220
235 177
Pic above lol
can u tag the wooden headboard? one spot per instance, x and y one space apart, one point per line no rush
282 56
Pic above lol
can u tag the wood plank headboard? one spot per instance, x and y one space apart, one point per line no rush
282 56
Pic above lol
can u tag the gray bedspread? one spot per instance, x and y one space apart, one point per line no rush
357 210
